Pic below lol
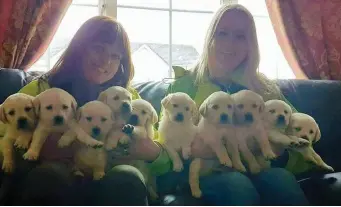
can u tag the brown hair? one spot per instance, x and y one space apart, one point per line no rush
97 29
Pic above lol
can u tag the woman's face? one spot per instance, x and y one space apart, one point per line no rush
101 62
229 48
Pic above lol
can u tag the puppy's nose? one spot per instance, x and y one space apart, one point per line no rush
305 137
96 131
133 120
179 117
224 118
58 120
126 107
281 119
248 117
22 123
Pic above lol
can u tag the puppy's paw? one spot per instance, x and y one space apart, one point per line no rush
270 155
98 175
178 166
225 160
196 193
78 173
254 168
303 142
94 143
128 129
31 155
239 166
22 144
7 167
64 142
186 153
124 140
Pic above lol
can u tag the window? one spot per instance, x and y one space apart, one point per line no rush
165 33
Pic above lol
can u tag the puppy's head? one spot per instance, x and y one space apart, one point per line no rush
304 126
277 113
95 118
249 107
18 111
143 113
218 108
55 107
179 107
118 99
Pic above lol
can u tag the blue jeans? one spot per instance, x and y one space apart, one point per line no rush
275 186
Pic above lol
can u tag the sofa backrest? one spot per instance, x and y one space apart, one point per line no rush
11 81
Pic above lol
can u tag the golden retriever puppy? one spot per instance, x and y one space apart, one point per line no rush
177 129
216 129
249 125
305 127
55 109
119 100
17 113
95 118
140 126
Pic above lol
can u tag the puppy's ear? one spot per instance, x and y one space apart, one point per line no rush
261 107
36 105
78 114
203 108
103 97
317 134
165 101
3 117
74 106
154 117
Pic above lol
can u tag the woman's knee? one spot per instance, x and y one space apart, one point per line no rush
232 188
278 186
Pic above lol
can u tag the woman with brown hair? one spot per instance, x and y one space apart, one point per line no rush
97 58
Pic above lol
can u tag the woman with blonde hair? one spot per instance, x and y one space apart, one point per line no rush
229 63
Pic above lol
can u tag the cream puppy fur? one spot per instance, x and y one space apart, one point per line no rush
55 109
177 127
119 100
216 129
305 127
95 118
249 125
17 112
140 126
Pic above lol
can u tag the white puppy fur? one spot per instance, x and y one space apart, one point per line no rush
55 109
140 126
17 113
95 118
216 130
177 129
305 127
249 125
119 100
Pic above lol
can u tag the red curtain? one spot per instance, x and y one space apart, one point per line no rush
27 28
309 33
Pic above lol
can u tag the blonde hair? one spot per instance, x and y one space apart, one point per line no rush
102 29
253 79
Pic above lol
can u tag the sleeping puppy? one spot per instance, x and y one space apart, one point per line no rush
217 130
276 118
177 129
55 109
95 118
249 125
17 112
140 126
119 100
305 127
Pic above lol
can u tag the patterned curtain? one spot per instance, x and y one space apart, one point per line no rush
27 28
309 33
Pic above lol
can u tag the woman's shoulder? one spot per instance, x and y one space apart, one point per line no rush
35 87
134 93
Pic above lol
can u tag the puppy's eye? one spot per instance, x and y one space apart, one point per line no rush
143 112
272 111
297 129
311 131
254 106
49 107
229 106
187 108
285 112
240 106
175 105
65 107
116 98
27 109
103 119
89 118
215 107
11 112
